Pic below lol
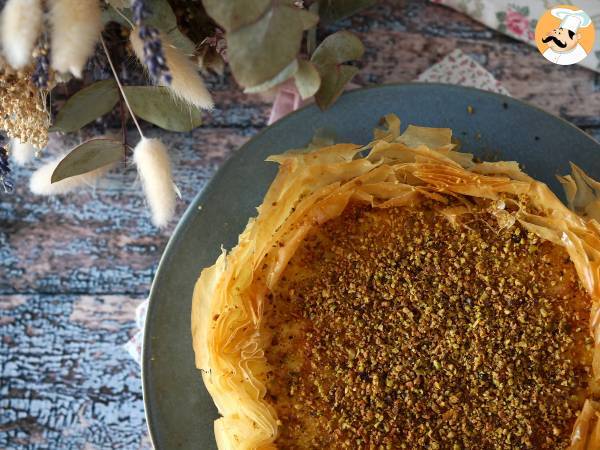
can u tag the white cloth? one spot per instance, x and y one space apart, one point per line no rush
566 58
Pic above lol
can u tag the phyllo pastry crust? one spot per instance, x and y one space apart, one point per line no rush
403 295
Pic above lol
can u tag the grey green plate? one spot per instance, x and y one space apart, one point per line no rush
180 412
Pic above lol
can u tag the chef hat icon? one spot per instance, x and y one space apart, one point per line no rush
571 20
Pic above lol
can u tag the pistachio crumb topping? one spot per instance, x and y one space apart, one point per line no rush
392 328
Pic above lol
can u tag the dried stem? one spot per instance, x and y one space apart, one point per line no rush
123 126
112 67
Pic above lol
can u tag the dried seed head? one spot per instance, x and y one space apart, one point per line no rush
154 167
24 114
21 25
76 27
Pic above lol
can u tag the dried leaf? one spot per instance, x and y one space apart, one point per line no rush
90 155
309 19
282 76
260 50
119 3
234 14
328 58
311 35
338 48
332 84
307 79
157 105
333 10
164 19
111 15
86 105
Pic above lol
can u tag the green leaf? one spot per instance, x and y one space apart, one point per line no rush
234 14
328 58
307 79
111 15
157 105
334 10
86 105
282 76
332 84
164 18
311 35
90 155
309 19
259 51
338 48
119 3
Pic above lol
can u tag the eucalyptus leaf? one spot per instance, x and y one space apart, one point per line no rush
333 82
308 18
311 35
119 3
181 41
86 105
111 14
282 76
259 51
90 155
162 15
157 105
328 58
307 79
164 18
234 14
333 10
338 48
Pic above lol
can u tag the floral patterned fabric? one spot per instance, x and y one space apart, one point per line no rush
518 18
458 68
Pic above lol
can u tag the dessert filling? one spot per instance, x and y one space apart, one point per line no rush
398 328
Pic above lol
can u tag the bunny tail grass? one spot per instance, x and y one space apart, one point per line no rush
20 27
21 153
186 83
76 27
154 166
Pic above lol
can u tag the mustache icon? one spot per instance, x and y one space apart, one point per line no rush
555 40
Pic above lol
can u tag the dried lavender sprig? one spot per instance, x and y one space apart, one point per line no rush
41 71
140 11
154 56
5 179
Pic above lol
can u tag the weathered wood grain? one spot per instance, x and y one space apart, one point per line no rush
99 240
73 268
66 381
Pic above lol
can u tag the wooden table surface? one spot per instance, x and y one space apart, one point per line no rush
74 268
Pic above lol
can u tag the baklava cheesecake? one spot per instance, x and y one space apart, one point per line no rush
402 295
